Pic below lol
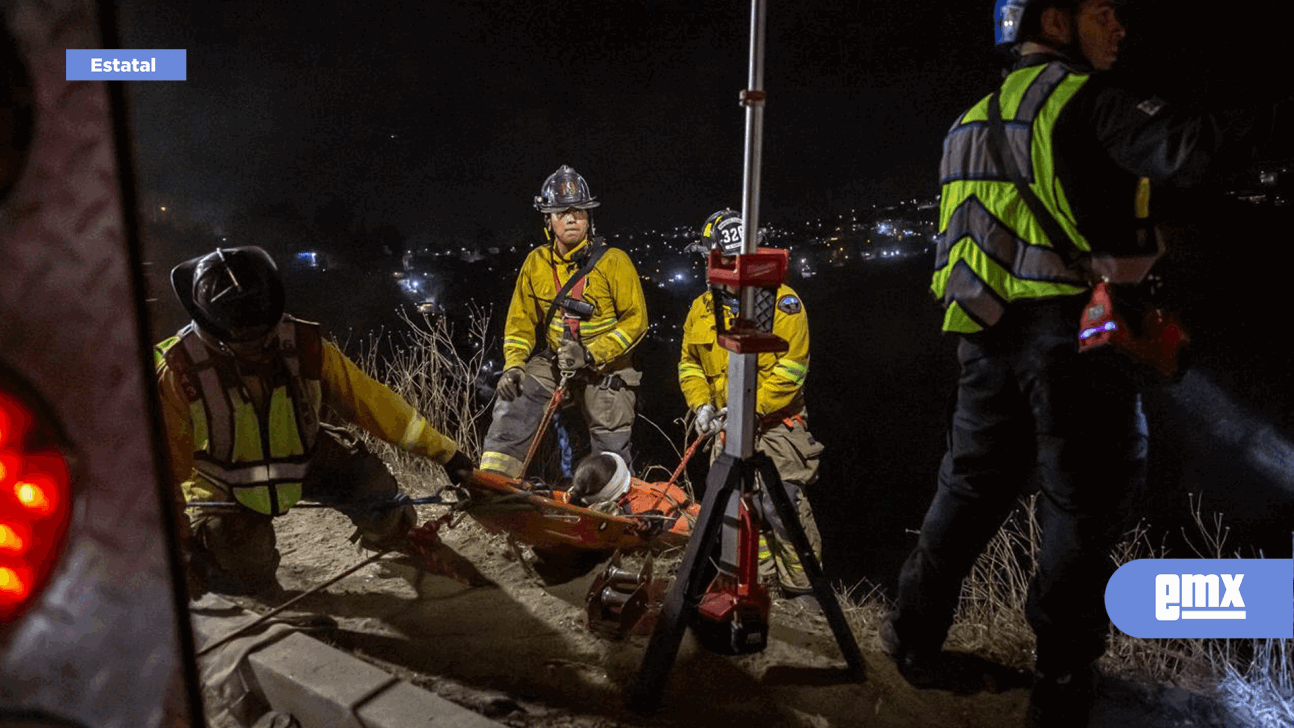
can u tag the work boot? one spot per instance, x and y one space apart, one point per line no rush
1062 700
918 667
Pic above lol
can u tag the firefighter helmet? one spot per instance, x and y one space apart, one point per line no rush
1013 19
1006 21
722 231
563 190
234 294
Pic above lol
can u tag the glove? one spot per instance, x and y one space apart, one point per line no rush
460 467
572 356
709 420
509 386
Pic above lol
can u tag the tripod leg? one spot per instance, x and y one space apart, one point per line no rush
681 601
821 587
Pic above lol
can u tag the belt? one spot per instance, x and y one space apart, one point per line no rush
773 419
614 382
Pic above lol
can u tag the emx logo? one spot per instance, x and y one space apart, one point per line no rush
1196 596
1245 598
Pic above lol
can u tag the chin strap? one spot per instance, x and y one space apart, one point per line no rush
215 343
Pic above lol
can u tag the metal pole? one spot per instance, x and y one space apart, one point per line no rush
743 369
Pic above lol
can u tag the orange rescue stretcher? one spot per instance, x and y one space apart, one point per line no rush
648 517
570 540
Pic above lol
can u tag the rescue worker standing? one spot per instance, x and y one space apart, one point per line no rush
587 336
1027 401
782 432
242 390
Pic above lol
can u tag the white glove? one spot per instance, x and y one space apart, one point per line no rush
572 356
709 420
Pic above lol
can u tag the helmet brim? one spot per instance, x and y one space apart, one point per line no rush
182 284
575 206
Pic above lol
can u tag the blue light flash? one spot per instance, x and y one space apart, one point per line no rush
1089 333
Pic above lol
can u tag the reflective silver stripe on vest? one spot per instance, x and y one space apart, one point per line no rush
975 297
219 414
244 475
215 463
307 421
999 242
966 155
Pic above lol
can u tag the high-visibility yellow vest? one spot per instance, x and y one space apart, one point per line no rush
261 461
991 249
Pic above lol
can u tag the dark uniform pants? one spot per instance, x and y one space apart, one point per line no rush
1029 404
607 402
238 549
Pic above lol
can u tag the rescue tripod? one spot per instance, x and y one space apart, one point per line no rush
680 609
691 601
754 271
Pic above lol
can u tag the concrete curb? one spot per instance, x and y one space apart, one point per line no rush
323 687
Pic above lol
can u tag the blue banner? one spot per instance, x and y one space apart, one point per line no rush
106 64
1189 598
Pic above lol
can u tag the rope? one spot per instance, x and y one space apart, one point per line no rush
556 399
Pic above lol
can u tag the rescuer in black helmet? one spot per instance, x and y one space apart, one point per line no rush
782 429
1058 158
242 390
577 309
234 295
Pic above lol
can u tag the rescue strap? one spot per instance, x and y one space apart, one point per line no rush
613 382
576 294
775 418
594 255
558 394
1060 240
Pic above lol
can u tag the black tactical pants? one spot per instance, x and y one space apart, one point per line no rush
1028 404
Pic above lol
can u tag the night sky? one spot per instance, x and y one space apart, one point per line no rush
446 117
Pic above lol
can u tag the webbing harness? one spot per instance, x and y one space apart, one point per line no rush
575 282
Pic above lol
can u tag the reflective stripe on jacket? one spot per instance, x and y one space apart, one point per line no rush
262 461
703 364
619 318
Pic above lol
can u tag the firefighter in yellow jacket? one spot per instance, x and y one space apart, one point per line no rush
242 388
782 431
577 309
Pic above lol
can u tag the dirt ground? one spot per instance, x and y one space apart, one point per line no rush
521 654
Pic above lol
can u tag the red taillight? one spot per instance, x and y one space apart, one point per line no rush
35 505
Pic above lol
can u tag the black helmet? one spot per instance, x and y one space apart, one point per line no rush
563 190
722 231
234 294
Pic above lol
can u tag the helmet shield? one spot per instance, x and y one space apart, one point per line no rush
722 231
1007 16
563 190
235 294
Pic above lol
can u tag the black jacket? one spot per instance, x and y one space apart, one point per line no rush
1108 136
